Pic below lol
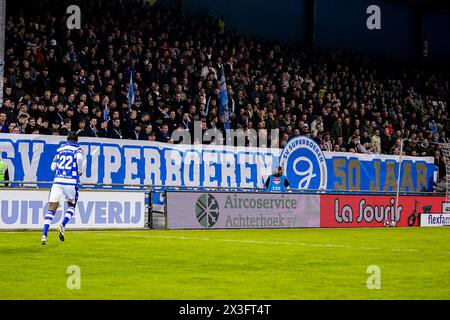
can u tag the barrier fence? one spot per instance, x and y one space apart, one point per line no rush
109 161
341 189
47 184
157 206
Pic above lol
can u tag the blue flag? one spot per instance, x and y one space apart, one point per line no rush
105 113
131 91
223 101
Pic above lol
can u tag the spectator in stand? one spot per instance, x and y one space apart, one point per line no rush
164 135
103 131
376 141
64 78
3 123
91 130
66 127
115 132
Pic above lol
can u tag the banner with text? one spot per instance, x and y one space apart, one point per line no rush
131 162
308 167
435 219
193 210
372 211
25 209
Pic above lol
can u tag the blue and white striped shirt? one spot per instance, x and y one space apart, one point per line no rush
68 164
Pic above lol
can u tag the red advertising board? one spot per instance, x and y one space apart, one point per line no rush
373 210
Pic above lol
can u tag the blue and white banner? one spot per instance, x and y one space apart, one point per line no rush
111 161
308 167
25 209
131 162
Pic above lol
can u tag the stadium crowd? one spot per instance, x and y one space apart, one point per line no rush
57 80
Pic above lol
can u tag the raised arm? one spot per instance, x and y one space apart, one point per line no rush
80 161
54 163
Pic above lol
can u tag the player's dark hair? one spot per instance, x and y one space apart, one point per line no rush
72 136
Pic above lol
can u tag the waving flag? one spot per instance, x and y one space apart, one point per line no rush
223 101
105 113
131 91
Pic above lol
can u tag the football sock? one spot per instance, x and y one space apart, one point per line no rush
48 219
69 214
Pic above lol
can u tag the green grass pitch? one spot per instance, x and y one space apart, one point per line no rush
228 264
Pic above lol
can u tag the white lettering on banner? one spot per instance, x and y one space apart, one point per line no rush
246 162
211 162
131 155
265 163
173 165
118 162
92 153
30 167
113 162
346 215
367 213
152 166
191 168
94 210
228 169
7 153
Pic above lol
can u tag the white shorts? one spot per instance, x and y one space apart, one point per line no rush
61 192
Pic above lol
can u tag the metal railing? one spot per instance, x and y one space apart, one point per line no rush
162 189
124 186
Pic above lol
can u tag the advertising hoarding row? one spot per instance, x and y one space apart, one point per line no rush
373 210
126 164
186 210
435 219
25 209
194 210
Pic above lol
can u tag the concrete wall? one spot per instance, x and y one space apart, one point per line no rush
337 24
342 24
284 20
436 31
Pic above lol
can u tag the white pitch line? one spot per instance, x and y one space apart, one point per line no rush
223 240
408 250
326 245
